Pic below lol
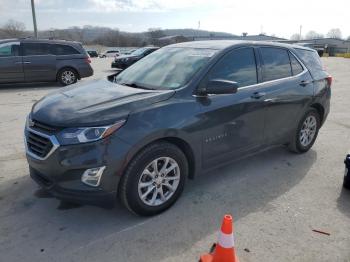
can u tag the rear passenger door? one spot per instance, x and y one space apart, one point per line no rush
11 68
38 62
287 88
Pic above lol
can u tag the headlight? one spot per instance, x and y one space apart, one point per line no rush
77 135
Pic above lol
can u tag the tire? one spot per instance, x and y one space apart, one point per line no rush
300 145
140 172
67 76
346 183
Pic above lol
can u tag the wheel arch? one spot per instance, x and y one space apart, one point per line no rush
320 109
181 143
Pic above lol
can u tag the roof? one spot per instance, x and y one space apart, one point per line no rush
261 37
223 44
29 39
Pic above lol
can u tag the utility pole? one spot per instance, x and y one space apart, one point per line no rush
300 32
34 20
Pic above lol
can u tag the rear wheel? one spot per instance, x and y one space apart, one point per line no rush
67 76
306 133
346 182
154 179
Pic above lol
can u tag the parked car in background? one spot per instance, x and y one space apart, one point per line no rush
110 53
125 61
347 172
92 53
40 60
180 111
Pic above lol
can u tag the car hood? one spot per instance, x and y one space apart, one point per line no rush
95 103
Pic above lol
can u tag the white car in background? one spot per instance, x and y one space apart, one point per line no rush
110 53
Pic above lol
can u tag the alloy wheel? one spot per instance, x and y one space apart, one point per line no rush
68 77
308 131
159 181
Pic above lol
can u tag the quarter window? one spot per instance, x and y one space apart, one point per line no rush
275 63
58 49
9 49
36 49
296 66
238 66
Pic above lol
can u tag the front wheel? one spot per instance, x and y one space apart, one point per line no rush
154 179
306 133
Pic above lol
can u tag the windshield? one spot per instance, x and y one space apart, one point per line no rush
139 51
167 68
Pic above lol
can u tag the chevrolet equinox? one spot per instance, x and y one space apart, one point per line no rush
182 110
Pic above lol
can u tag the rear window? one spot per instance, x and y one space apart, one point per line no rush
311 59
58 49
36 49
276 63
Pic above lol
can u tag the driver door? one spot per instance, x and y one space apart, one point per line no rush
232 123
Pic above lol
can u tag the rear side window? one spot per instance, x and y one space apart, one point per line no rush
297 68
311 59
9 49
35 49
58 49
238 65
275 63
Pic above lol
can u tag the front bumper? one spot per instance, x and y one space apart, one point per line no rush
119 64
60 172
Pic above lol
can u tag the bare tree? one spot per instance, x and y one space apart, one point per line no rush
334 33
154 34
13 28
295 37
313 35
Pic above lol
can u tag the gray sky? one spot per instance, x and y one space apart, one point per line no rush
281 18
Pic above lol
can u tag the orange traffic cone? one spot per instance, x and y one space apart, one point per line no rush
225 249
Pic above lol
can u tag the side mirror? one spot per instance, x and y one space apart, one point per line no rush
112 77
220 86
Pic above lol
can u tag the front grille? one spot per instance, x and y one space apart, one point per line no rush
38 145
39 126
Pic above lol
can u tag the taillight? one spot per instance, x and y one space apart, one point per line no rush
329 80
88 60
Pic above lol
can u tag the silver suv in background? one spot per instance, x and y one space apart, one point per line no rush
42 60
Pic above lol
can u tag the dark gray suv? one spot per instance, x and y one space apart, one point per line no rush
33 60
183 110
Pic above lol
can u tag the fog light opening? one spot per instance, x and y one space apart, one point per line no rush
92 176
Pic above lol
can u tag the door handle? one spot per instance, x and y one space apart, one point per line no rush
26 62
257 95
270 100
304 83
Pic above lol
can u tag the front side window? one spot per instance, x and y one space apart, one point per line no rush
166 68
9 49
30 49
276 63
64 50
238 66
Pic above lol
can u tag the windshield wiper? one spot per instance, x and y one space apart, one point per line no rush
136 86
